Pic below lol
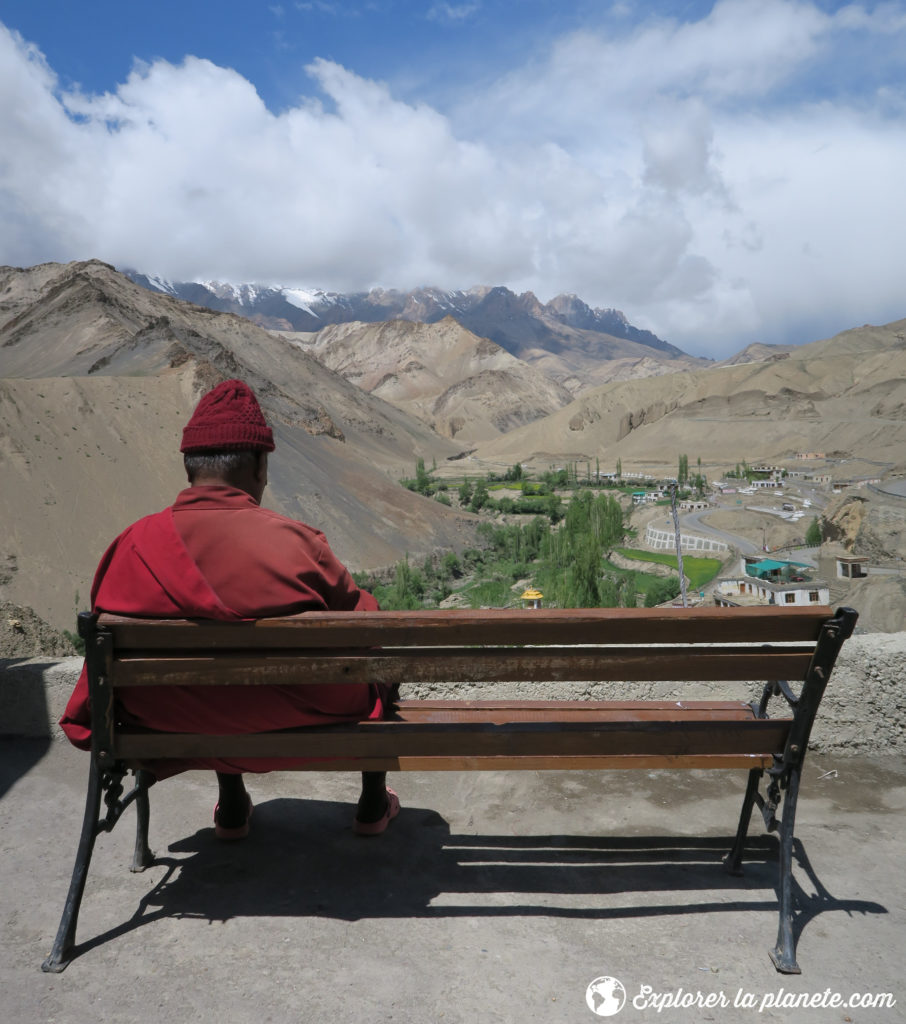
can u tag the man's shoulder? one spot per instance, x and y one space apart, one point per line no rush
152 519
288 523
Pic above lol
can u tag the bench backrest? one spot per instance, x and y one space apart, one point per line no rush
531 646
467 646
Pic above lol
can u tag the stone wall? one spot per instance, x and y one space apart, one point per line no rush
665 540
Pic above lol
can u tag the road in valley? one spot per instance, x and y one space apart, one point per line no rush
693 521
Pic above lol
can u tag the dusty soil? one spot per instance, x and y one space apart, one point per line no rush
759 527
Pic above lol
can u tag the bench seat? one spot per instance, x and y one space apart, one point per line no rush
446 735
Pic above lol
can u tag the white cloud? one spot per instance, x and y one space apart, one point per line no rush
456 13
320 6
667 168
728 194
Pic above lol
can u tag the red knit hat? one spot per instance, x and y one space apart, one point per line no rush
228 418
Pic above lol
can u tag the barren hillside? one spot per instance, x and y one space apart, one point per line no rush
463 386
758 353
844 396
85 319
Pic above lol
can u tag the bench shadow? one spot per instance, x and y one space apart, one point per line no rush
18 756
303 860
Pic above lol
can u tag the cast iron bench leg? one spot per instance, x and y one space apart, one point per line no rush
143 856
733 860
784 953
63 947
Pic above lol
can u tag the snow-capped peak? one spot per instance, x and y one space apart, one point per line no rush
162 285
302 298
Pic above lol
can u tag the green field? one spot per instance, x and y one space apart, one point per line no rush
643 581
699 571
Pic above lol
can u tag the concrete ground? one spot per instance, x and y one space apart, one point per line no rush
495 897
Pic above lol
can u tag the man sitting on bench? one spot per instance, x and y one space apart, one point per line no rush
217 554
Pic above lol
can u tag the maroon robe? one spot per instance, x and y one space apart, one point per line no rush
216 554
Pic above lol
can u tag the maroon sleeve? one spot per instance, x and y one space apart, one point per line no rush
342 593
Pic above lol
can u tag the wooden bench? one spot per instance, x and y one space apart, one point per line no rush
790 650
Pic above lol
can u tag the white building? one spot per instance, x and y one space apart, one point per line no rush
749 591
852 568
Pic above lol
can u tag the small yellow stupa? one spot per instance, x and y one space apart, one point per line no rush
533 596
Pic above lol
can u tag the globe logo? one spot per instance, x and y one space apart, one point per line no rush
605 996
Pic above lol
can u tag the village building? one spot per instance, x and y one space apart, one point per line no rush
852 568
766 581
772 569
647 497
841 485
748 591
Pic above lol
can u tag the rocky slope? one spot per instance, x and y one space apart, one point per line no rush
758 353
25 635
867 524
463 386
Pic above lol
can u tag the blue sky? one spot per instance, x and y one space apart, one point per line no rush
423 48
723 173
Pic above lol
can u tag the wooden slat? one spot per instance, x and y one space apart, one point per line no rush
528 763
493 713
498 627
736 708
401 739
467 665
646 763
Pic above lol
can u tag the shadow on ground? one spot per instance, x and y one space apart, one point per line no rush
17 758
302 860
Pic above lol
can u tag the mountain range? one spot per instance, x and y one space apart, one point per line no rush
98 376
568 340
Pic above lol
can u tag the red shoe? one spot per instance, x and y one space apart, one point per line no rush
376 828
239 832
